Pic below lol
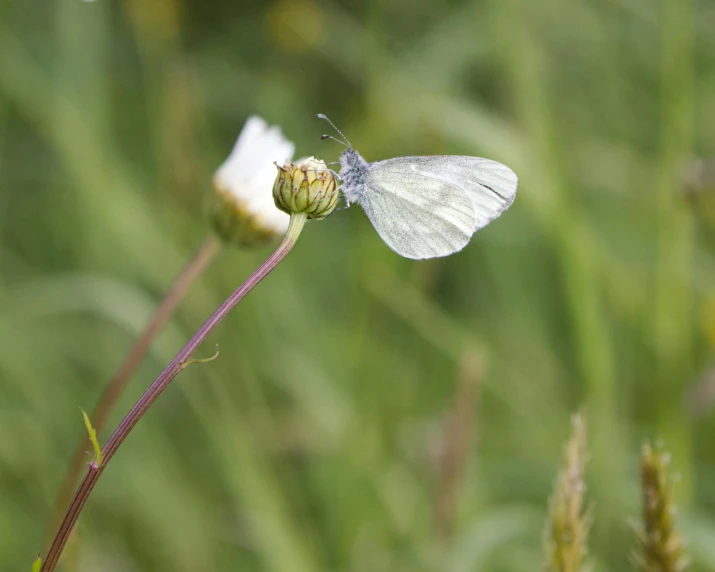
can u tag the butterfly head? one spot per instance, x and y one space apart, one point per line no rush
352 166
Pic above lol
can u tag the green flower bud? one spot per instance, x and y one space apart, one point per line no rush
306 187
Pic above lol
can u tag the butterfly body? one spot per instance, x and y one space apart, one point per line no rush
353 169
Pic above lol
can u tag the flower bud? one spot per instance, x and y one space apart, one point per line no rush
241 208
306 187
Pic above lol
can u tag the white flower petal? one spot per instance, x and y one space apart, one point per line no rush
248 173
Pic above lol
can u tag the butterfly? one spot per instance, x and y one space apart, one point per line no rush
425 207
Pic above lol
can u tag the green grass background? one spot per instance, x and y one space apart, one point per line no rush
313 442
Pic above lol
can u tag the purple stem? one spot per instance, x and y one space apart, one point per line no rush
116 386
160 384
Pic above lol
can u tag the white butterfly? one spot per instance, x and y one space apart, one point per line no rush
425 207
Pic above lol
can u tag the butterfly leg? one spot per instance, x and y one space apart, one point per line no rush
347 202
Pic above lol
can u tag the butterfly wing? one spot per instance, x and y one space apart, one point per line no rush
417 215
491 186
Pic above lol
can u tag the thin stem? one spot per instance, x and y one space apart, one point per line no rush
160 384
208 250
456 443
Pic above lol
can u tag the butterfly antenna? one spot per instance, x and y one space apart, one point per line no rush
323 137
345 139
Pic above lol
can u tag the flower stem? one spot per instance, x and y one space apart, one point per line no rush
160 384
208 250
457 440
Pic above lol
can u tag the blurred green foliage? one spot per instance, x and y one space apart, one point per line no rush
318 439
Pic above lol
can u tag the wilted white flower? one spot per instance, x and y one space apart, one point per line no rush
243 210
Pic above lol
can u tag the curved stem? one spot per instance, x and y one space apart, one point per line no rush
160 384
208 250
